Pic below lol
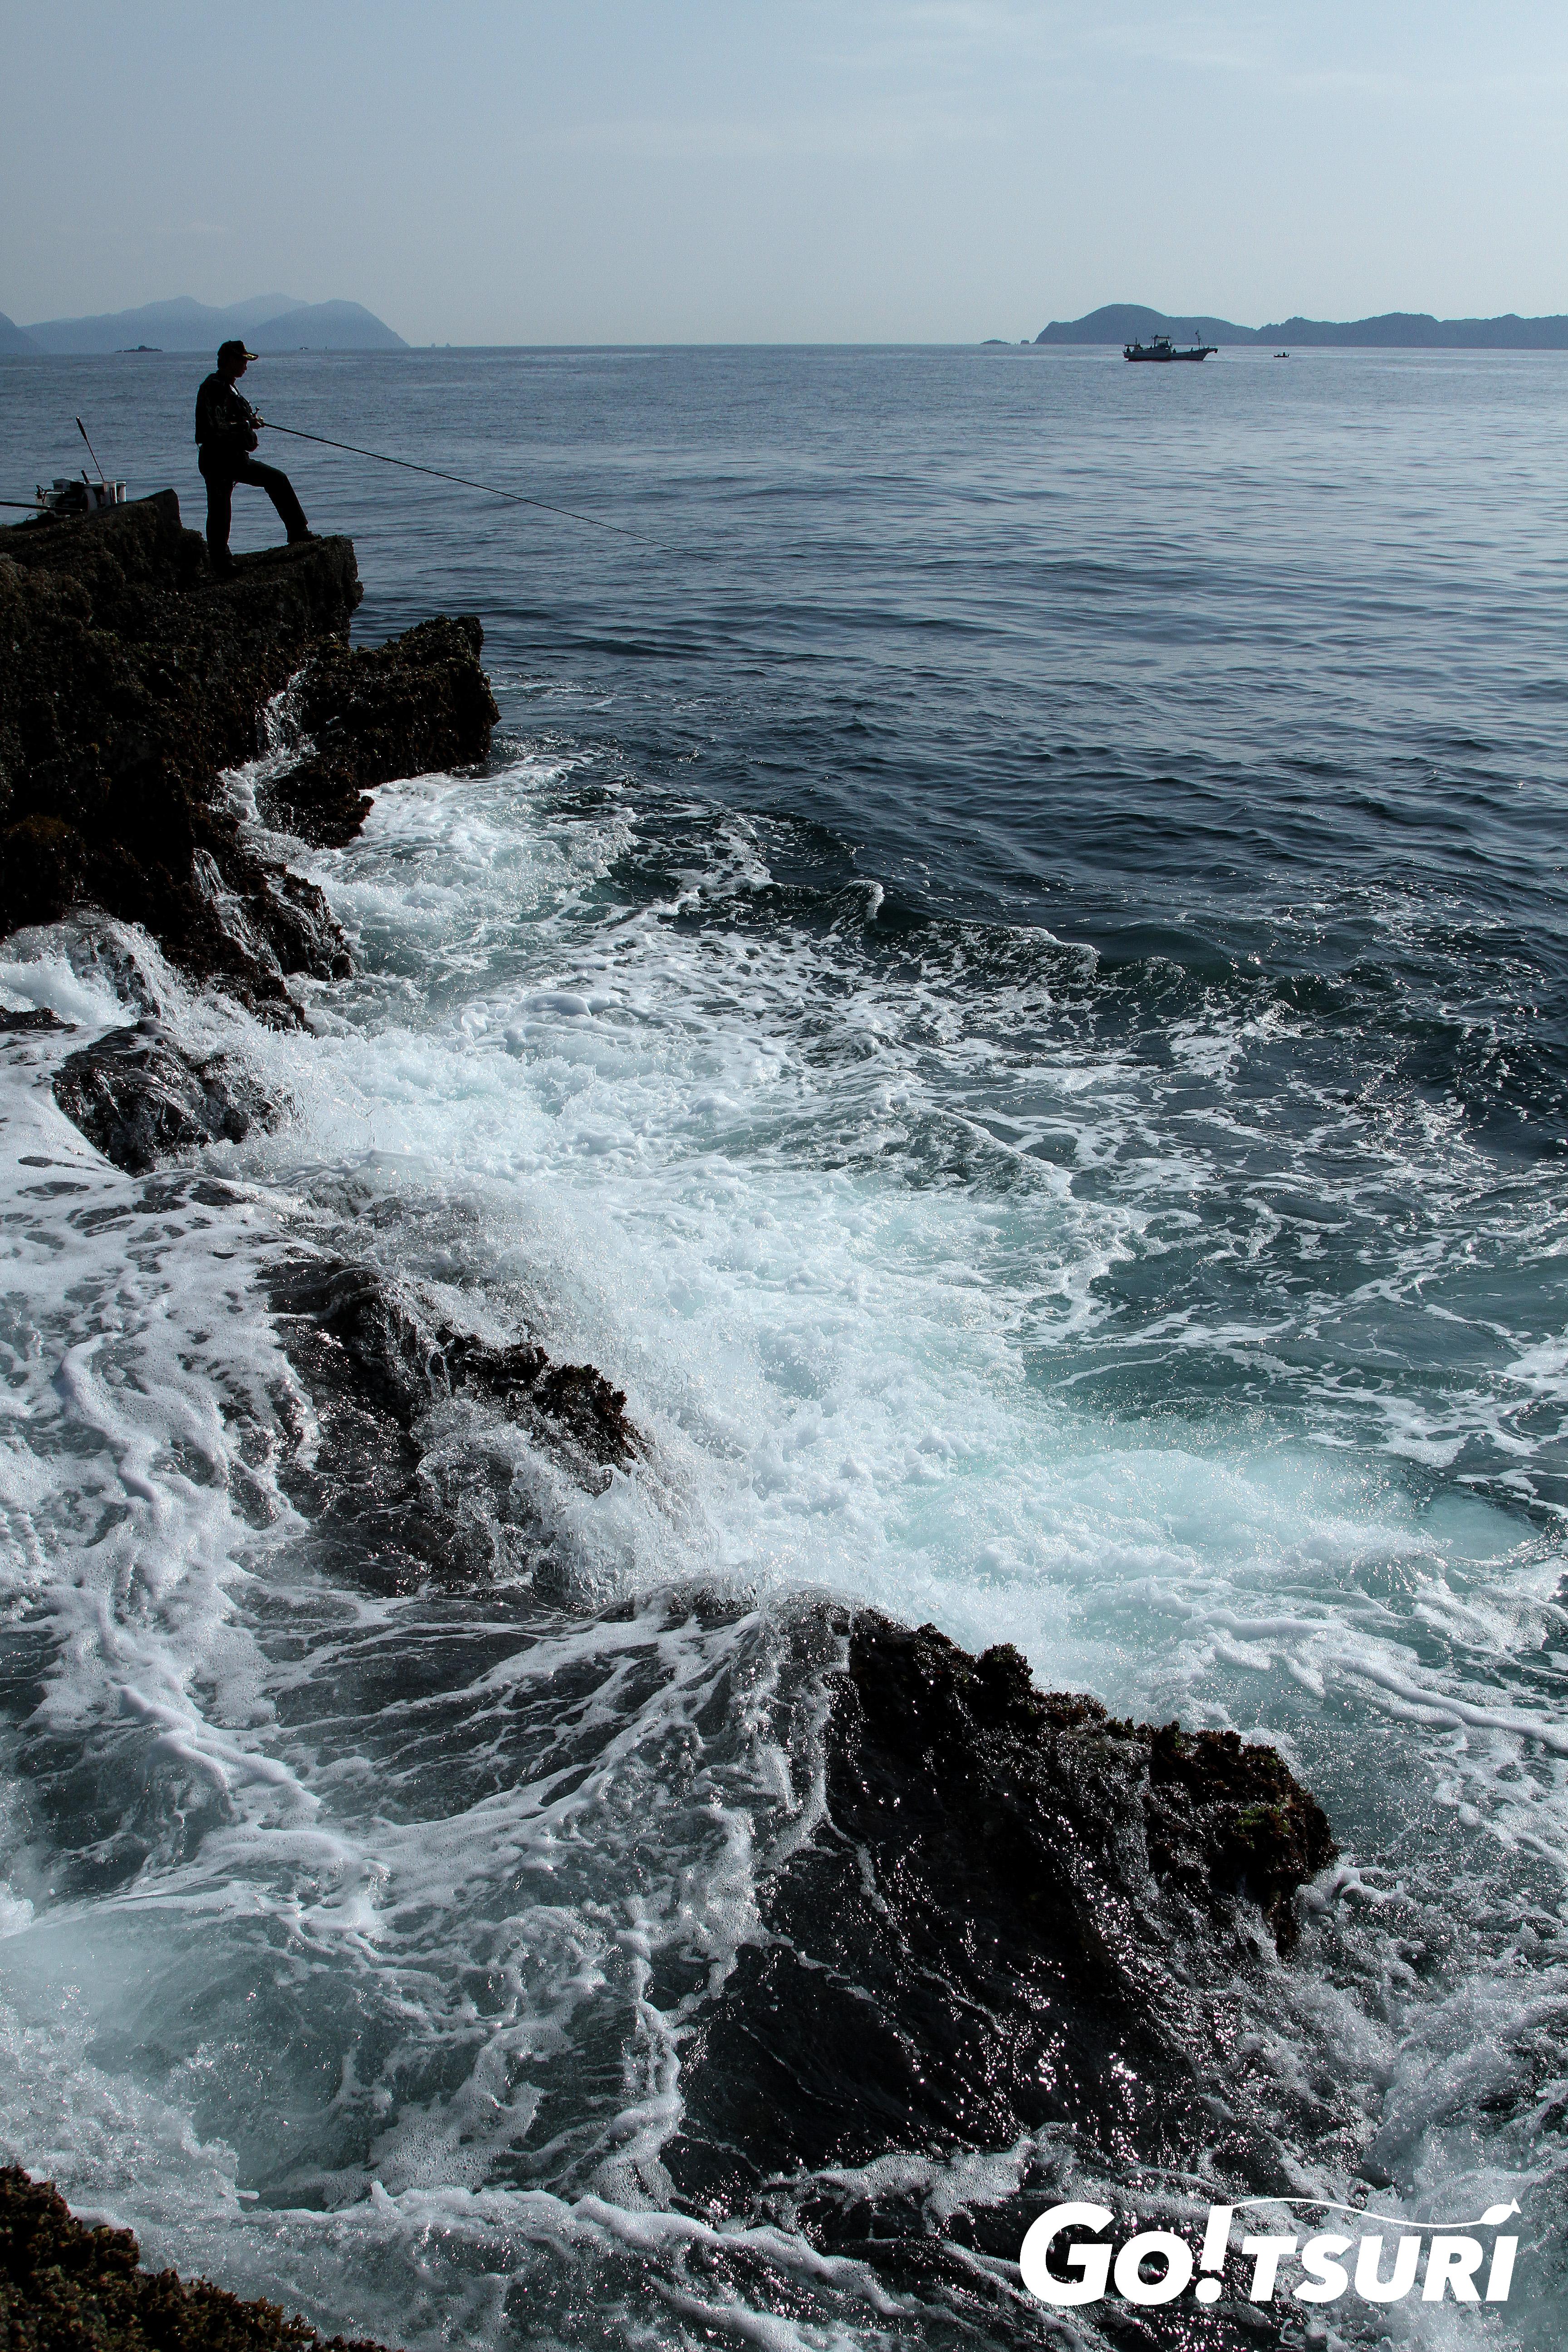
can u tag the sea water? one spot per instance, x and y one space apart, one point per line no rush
1005 979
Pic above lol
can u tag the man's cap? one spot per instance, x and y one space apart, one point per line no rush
235 350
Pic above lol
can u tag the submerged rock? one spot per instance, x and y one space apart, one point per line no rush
380 1485
68 2286
31 1018
404 1366
141 1098
420 703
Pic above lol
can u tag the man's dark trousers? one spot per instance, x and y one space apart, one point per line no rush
220 473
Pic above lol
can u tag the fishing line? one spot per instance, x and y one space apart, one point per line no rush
516 496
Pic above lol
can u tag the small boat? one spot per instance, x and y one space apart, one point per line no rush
1162 348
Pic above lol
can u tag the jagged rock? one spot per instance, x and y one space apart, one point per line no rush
403 1366
1019 1914
140 1098
35 1017
377 1371
69 2287
400 709
130 679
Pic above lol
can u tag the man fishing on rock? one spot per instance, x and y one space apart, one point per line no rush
225 430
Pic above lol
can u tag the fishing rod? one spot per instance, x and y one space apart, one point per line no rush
516 496
90 450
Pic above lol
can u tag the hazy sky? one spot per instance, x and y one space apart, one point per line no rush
502 170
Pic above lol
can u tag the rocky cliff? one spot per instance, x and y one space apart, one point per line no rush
130 679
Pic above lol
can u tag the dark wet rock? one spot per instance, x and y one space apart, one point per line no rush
33 1018
1020 1916
575 1398
68 2286
420 703
130 679
403 1366
140 1098
377 1371
1223 1819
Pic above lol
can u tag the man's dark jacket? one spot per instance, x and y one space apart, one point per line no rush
225 423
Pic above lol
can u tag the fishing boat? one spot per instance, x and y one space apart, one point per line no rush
1162 348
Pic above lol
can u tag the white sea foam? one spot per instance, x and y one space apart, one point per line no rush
863 1237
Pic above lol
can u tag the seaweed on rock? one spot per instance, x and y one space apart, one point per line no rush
70 2286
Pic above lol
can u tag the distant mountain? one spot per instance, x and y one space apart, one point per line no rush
262 306
1418 331
1125 322
179 326
13 341
269 322
325 327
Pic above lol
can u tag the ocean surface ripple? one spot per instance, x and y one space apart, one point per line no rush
1007 979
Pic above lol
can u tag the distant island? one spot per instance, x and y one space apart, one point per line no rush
1126 322
268 323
